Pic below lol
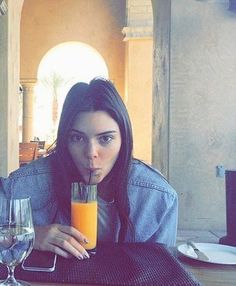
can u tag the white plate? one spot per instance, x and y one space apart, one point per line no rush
217 253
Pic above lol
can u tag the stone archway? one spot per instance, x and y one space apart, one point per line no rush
61 67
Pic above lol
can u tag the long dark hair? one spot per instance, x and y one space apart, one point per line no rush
99 95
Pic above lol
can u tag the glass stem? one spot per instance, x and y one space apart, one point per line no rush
11 278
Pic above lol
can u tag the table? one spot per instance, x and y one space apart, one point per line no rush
207 274
114 264
212 275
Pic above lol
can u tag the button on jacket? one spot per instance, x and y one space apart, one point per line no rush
153 202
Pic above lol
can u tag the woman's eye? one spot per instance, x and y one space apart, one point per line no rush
76 138
105 139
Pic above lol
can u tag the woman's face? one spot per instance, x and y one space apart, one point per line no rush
94 144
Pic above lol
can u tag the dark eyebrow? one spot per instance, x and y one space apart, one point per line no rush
77 131
99 134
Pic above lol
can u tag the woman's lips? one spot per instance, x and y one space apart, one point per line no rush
93 171
93 175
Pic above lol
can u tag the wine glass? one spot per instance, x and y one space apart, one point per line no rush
16 235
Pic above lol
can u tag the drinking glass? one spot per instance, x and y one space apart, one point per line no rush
16 235
84 212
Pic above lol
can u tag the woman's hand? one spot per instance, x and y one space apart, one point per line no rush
64 240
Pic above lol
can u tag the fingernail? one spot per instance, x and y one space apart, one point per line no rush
86 241
80 256
86 255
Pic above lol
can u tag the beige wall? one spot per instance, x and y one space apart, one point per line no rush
202 108
99 23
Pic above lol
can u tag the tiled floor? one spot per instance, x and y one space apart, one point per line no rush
199 236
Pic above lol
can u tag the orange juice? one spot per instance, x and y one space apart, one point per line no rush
84 218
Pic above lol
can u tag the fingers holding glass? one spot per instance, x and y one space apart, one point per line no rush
63 240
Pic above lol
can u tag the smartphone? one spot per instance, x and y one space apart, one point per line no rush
44 261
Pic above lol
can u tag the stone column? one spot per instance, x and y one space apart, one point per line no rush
9 84
161 84
138 75
28 109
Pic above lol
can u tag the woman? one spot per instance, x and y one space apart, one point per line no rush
94 137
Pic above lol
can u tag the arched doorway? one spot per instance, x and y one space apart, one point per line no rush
58 70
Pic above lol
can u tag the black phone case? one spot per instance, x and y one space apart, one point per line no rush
40 261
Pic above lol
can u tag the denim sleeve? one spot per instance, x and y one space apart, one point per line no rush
154 214
4 187
167 227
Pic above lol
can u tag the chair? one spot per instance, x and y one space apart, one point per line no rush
41 144
27 152
230 184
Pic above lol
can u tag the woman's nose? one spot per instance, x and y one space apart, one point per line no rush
91 150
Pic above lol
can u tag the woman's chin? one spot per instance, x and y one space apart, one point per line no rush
96 181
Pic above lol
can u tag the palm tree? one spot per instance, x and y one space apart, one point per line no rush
54 82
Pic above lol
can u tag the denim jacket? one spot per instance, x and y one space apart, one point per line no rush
153 202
